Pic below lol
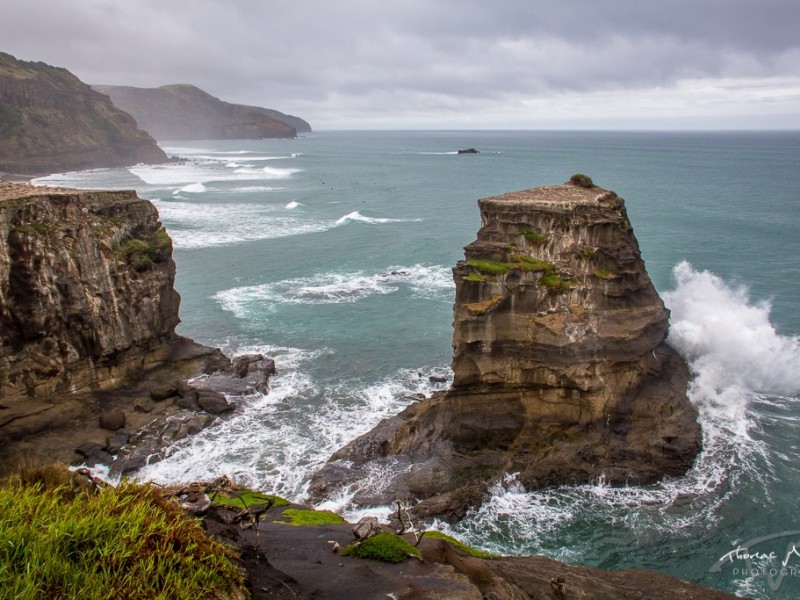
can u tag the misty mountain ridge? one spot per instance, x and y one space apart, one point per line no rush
185 112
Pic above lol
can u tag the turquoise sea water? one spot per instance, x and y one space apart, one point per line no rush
332 253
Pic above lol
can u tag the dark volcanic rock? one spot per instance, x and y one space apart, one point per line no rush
185 112
561 373
50 121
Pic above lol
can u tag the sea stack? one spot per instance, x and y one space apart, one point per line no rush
561 370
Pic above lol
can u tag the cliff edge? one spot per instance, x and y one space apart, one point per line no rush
88 314
50 121
562 374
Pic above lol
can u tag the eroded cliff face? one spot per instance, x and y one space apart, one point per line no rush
87 330
86 287
561 373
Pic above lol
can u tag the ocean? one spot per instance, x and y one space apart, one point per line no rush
332 253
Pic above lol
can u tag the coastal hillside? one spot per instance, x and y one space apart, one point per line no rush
50 121
185 112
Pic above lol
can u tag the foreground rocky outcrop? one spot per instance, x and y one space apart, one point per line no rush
88 351
282 558
50 122
185 112
561 372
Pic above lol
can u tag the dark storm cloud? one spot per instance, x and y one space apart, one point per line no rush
358 57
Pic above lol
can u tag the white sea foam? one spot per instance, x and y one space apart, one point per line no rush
292 204
276 441
247 189
198 171
192 188
733 352
432 282
197 225
357 216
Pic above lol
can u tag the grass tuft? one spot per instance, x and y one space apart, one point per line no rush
303 516
124 542
475 276
243 499
490 267
603 274
386 547
474 552
553 282
529 263
532 236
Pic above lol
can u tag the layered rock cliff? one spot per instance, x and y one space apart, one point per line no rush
87 305
561 372
185 112
50 121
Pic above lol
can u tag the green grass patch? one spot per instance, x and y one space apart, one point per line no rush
386 547
490 267
303 516
553 282
532 236
475 276
242 499
603 274
474 552
529 263
588 253
124 542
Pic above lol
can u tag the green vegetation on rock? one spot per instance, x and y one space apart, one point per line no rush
529 263
581 180
474 276
386 547
603 274
244 499
302 516
124 542
553 282
143 253
531 235
474 552
490 267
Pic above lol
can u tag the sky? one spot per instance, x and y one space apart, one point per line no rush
441 64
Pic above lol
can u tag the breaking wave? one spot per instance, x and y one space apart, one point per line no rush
357 216
333 288
735 354
196 225
276 441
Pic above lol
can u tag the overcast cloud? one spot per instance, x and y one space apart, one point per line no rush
441 63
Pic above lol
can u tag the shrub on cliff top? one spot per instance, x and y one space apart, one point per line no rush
125 542
581 180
